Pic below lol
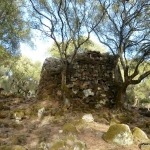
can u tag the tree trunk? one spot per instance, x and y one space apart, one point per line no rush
64 88
64 81
120 97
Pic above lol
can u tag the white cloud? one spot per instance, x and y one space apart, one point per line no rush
38 52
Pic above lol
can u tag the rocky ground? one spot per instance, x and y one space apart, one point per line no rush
41 125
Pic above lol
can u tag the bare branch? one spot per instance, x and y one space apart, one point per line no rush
39 11
143 76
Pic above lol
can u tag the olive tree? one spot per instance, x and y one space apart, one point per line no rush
126 32
22 78
13 27
66 21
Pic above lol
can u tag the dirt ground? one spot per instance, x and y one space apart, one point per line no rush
30 131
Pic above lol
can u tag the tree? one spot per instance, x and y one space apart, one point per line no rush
13 30
126 32
4 56
66 21
13 27
7 61
22 78
139 93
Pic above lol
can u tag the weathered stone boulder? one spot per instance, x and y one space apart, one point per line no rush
119 134
88 118
41 112
69 128
139 136
90 78
68 143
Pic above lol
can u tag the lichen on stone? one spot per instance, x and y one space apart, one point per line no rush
139 136
69 128
14 147
88 118
69 142
119 134
58 145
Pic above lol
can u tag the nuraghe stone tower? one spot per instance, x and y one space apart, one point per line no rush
90 79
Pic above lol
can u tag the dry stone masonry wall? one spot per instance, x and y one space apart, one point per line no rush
89 79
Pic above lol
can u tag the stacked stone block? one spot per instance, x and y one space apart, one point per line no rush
90 79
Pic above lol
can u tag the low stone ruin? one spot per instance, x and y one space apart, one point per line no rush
90 79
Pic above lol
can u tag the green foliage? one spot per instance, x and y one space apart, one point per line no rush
6 63
22 77
87 46
141 91
4 56
13 28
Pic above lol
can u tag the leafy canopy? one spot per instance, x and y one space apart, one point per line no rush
21 77
13 27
